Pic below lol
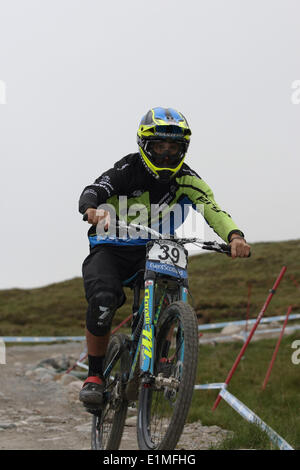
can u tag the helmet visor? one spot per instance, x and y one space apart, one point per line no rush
165 153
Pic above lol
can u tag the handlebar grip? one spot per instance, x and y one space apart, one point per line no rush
227 249
85 217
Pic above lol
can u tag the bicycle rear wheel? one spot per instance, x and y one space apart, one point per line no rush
164 405
108 425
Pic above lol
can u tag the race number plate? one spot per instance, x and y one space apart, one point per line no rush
168 252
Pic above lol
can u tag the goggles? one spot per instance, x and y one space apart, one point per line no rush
165 153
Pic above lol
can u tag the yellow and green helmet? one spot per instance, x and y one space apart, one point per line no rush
157 127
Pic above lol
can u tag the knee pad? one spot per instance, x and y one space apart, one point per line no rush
100 313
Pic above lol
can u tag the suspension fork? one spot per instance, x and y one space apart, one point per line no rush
183 293
148 332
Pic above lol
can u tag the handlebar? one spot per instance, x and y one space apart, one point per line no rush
205 245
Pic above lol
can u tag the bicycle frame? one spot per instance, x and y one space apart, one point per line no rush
146 342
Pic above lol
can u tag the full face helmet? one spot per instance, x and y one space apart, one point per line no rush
163 138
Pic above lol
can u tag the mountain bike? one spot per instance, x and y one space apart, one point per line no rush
157 364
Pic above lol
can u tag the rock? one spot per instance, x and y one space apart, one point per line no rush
50 439
73 390
26 411
38 371
29 373
75 386
66 379
211 429
33 419
59 362
55 429
131 411
54 419
195 436
57 377
85 428
48 363
131 422
21 423
41 374
64 362
46 378
3 397
24 429
7 425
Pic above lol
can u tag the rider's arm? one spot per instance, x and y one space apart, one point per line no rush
219 220
108 184
200 193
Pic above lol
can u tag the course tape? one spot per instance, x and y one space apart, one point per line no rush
213 326
40 339
243 335
251 417
83 366
207 326
210 386
246 413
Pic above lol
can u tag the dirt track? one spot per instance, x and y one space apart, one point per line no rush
39 411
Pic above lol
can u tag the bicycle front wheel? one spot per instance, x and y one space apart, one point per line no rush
164 405
108 425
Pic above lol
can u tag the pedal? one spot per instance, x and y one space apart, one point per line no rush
166 382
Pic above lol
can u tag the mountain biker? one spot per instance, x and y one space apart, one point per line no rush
156 174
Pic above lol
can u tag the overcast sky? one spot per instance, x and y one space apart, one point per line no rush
79 76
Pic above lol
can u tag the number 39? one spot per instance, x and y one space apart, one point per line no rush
173 254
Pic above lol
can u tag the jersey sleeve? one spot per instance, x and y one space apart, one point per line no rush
204 201
108 184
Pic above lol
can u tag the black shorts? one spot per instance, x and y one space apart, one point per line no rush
107 266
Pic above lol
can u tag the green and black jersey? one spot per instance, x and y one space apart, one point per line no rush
132 191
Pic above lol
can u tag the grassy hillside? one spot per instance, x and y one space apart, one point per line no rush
218 286
277 405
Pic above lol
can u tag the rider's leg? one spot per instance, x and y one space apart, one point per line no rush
98 324
104 294
97 346
103 272
102 307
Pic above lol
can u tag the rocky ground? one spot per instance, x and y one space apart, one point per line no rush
39 406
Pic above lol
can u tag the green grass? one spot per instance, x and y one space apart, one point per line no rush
278 405
218 286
